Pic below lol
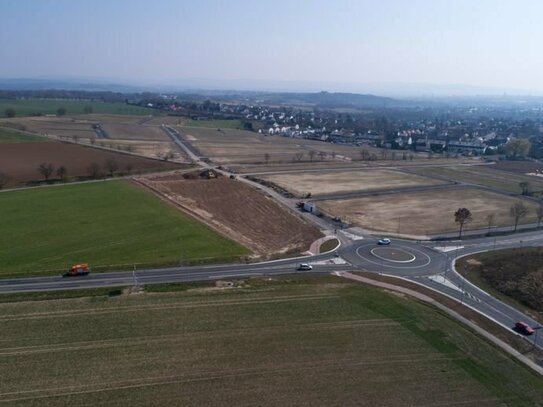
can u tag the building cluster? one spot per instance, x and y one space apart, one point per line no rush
460 130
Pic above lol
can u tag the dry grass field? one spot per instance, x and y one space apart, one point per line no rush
127 133
134 131
486 175
316 183
423 213
238 146
54 126
281 342
238 211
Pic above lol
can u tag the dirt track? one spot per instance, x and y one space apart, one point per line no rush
21 160
239 212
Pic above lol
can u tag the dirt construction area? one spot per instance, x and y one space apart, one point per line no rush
237 211
21 160
426 213
226 146
318 183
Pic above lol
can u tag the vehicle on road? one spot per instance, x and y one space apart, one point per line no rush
524 328
384 241
82 269
304 266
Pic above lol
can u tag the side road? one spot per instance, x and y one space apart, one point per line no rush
427 299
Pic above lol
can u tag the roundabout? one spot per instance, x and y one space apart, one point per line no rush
403 258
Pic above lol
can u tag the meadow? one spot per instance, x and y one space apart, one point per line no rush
36 107
12 136
108 224
288 341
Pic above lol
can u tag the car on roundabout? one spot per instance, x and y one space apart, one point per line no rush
384 241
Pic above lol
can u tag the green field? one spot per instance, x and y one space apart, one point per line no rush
215 124
33 107
12 136
483 175
107 224
319 341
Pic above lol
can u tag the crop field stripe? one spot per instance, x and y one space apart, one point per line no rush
144 340
228 373
169 306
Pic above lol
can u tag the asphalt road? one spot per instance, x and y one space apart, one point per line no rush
424 263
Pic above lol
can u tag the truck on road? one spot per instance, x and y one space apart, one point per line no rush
81 269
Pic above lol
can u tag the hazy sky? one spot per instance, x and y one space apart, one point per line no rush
477 42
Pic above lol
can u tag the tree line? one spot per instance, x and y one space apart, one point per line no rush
517 212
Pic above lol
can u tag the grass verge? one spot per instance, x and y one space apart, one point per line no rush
329 245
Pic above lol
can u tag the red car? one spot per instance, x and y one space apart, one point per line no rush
524 328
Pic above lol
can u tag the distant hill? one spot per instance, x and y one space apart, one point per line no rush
82 85
337 100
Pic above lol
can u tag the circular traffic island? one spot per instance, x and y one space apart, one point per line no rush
393 254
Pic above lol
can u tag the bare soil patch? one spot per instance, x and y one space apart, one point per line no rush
21 160
423 213
134 131
519 167
239 212
345 181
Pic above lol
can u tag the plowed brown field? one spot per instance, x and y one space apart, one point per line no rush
21 160
239 212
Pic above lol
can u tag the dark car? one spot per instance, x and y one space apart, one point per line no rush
524 328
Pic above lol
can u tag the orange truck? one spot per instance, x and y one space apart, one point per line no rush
78 270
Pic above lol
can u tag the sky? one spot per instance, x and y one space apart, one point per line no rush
494 43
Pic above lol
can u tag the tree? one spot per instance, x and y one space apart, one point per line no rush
322 155
112 166
61 111
267 158
10 112
490 220
462 216
311 155
61 172
364 154
4 178
46 170
526 188
129 167
518 211
87 109
93 169
333 154
298 156
539 213
518 148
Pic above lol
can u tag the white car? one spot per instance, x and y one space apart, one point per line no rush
304 266
384 241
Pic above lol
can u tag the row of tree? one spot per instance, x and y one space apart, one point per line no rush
94 169
517 212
